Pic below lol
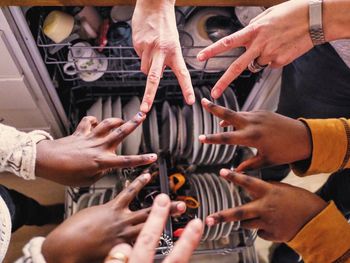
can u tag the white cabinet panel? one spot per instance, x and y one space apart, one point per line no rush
23 119
8 66
14 95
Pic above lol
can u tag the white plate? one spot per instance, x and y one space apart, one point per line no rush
210 201
198 197
224 148
131 143
96 110
107 108
169 129
247 13
117 113
233 105
230 204
154 132
195 27
219 149
207 125
214 203
177 112
197 128
107 196
222 202
204 202
95 75
189 142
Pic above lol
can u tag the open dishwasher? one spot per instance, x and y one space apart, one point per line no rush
185 170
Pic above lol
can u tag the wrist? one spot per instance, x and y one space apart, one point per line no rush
336 19
155 4
42 158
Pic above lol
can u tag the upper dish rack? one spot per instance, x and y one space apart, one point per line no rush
123 63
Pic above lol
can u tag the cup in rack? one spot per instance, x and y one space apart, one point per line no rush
58 26
86 62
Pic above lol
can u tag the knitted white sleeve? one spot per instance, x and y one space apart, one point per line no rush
5 228
32 251
18 151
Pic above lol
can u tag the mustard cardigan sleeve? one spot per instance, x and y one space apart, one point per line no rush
329 142
325 239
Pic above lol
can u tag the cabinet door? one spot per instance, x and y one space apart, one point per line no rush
9 68
14 94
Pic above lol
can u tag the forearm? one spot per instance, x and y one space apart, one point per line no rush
326 238
336 19
329 147
154 4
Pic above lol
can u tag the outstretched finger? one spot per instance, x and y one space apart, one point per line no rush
153 79
248 211
148 239
236 68
233 138
184 77
130 192
107 125
223 113
254 186
237 39
117 135
127 161
86 125
187 243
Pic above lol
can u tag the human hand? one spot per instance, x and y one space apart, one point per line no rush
156 41
83 157
278 139
89 235
148 239
270 39
277 210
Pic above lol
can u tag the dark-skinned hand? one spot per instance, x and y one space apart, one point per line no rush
89 235
85 156
277 210
278 139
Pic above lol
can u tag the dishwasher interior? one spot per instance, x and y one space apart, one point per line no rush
185 170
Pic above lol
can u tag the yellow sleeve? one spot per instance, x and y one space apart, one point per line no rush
329 142
325 239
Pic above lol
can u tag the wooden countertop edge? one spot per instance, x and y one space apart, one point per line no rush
132 2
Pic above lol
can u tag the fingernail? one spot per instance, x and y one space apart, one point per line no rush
215 94
202 137
181 207
191 99
140 115
210 221
152 156
144 107
205 101
224 172
197 225
162 200
201 56
147 176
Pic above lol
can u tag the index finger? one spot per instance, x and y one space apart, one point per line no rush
223 113
184 77
237 39
118 135
153 79
130 192
148 239
253 185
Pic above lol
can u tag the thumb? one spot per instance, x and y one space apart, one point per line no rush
119 254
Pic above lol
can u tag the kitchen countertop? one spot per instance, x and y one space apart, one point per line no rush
130 2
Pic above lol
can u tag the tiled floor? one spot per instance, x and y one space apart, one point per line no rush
50 193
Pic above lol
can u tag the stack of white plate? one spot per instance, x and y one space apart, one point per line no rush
108 108
215 194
